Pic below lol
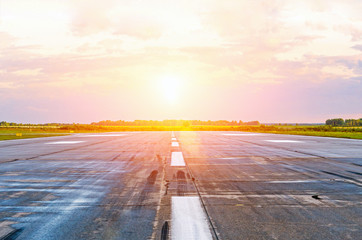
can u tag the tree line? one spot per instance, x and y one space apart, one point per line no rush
13 124
344 123
184 123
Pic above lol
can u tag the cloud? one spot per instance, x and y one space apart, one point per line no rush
94 17
140 28
358 47
6 40
273 54
90 17
28 72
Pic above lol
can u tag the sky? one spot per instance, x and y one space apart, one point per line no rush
272 61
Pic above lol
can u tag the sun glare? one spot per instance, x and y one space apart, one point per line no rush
170 87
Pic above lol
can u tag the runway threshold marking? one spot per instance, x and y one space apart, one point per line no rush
174 144
65 142
177 159
284 141
189 221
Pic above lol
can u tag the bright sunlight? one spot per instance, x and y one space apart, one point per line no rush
170 87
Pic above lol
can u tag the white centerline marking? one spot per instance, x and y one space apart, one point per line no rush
174 144
284 141
173 139
103 135
64 142
188 219
177 159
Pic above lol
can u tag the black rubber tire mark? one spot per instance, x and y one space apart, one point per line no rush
65 150
69 149
164 231
151 179
342 176
357 173
305 153
181 183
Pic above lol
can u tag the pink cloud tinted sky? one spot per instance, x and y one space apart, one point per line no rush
272 61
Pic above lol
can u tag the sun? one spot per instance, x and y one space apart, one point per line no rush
170 88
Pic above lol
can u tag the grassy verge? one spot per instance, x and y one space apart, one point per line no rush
351 135
323 131
22 133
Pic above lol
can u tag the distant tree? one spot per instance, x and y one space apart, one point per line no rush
253 123
352 122
186 123
172 122
335 122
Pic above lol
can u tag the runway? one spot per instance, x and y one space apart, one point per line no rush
181 185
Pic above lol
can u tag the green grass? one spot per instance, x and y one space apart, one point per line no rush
11 133
351 135
321 130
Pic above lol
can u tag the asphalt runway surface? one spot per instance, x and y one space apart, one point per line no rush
211 185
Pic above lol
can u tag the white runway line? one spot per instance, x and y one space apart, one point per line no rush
297 181
173 139
177 159
284 141
188 219
242 134
103 135
174 144
65 142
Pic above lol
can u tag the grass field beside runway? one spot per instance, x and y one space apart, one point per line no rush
7 133
351 135
22 133
311 130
